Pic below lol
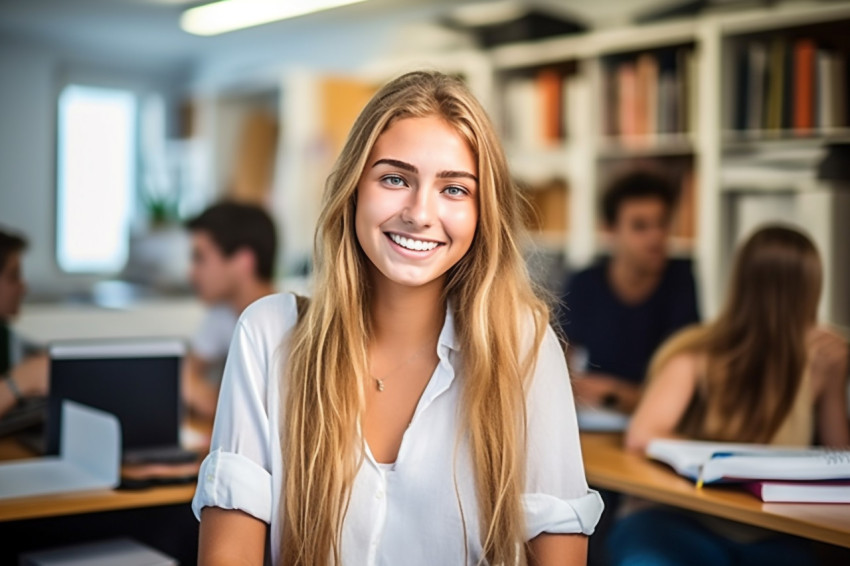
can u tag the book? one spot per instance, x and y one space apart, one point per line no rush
804 84
757 55
801 492
714 462
627 100
598 419
776 85
549 85
647 94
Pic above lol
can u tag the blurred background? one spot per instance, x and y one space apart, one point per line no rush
120 119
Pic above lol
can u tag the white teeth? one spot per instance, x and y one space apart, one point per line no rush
411 244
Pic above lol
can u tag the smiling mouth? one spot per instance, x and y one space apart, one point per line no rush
413 244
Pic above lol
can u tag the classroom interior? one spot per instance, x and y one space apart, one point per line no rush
122 120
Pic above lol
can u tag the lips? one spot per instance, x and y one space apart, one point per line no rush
413 244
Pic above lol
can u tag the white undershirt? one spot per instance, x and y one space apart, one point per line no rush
406 512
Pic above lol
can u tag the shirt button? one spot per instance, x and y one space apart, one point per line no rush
379 494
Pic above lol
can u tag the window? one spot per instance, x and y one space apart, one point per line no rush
96 178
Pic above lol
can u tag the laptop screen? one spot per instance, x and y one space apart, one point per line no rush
137 381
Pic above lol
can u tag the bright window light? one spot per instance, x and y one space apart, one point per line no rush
96 177
229 15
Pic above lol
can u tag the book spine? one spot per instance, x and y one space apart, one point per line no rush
627 111
804 83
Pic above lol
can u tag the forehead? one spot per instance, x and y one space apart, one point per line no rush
428 143
648 205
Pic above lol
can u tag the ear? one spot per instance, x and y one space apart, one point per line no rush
244 260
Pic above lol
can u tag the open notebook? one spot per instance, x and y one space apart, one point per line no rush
710 462
89 458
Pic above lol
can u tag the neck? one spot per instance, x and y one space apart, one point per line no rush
248 293
629 281
407 317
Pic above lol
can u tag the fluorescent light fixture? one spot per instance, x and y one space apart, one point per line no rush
488 13
229 15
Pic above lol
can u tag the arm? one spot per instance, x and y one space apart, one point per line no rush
557 550
30 377
606 390
828 353
230 537
560 510
200 395
234 499
664 403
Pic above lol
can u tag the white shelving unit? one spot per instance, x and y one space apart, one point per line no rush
585 155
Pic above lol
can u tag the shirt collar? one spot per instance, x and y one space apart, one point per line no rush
448 337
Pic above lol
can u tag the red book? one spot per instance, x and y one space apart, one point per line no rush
549 87
801 491
804 84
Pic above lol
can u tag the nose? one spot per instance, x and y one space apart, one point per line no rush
421 207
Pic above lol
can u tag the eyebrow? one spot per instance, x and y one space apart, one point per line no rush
413 169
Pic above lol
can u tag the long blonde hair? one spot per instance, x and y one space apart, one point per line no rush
756 348
493 301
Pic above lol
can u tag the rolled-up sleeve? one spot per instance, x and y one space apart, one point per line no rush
557 498
237 472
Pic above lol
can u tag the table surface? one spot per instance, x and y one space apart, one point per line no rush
33 507
609 466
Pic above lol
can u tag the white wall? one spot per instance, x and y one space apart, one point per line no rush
30 80
27 150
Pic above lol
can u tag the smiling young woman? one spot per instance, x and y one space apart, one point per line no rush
417 410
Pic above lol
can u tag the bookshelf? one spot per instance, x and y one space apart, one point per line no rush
681 79
784 106
566 142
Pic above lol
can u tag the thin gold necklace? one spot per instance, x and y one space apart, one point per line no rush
379 381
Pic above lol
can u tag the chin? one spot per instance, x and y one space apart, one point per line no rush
408 277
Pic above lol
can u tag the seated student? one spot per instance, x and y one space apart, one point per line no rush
764 371
620 309
233 253
22 375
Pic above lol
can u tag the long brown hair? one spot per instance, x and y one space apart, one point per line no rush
493 304
756 348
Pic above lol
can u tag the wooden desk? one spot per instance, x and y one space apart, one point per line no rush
608 466
34 507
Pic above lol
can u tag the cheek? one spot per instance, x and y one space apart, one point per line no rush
460 223
374 207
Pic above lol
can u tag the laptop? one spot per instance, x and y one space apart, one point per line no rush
136 380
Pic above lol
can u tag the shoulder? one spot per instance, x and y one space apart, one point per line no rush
586 284
269 319
220 316
828 358
589 275
684 350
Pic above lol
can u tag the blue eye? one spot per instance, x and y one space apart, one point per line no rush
394 181
455 191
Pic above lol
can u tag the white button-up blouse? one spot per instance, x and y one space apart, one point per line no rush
408 512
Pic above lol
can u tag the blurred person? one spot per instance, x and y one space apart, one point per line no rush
233 253
620 309
763 371
417 409
24 372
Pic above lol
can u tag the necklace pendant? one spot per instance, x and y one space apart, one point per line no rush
380 384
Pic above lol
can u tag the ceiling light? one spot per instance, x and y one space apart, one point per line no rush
229 15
